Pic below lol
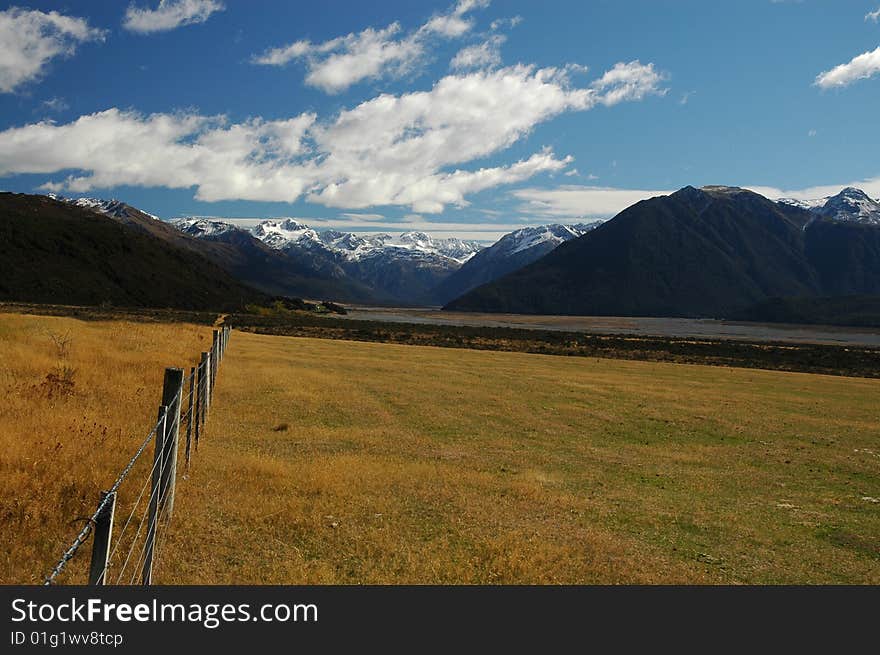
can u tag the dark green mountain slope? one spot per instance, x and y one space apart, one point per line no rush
710 252
52 251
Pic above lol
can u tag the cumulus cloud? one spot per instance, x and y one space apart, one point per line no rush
335 65
30 39
628 81
859 68
871 186
169 15
481 55
873 15
454 23
575 201
396 150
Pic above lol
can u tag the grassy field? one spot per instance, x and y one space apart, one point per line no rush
329 461
77 399
348 462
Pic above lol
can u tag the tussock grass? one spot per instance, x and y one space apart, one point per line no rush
411 464
76 400
406 464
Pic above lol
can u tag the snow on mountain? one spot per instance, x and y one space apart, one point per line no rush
202 227
287 233
529 237
802 204
512 251
850 204
114 208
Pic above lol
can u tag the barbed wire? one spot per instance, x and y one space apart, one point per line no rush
198 373
84 533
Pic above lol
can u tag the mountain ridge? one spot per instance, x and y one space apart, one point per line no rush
709 252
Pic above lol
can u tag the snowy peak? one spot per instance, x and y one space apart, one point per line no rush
284 234
113 208
529 237
202 227
852 204
809 205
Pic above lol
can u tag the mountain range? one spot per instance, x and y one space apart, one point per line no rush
709 252
716 251
411 268
851 205
57 252
512 251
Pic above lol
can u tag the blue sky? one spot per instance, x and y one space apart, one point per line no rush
470 117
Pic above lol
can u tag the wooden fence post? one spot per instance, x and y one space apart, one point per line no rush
103 532
202 371
190 412
215 361
172 393
208 376
153 524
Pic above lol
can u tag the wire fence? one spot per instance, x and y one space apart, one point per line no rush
129 557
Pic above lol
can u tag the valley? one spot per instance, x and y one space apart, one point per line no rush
703 328
430 465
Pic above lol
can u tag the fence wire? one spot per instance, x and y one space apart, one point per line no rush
199 385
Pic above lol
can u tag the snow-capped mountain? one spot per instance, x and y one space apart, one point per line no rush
851 204
512 251
283 234
809 205
542 235
404 268
412 267
113 208
202 227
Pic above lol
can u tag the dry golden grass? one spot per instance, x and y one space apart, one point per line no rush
340 462
77 400
403 464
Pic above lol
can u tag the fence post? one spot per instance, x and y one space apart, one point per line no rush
172 393
190 413
153 525
215 361
103 531
208 376
201 371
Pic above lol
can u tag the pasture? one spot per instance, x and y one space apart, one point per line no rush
340 462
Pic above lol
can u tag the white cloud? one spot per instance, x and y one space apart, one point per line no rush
627 82
169 15
859 68
481 55
54 105
335 65
454 23
871 186
685 97
574 202
29 40
364 218
499 23
407 150
873 15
